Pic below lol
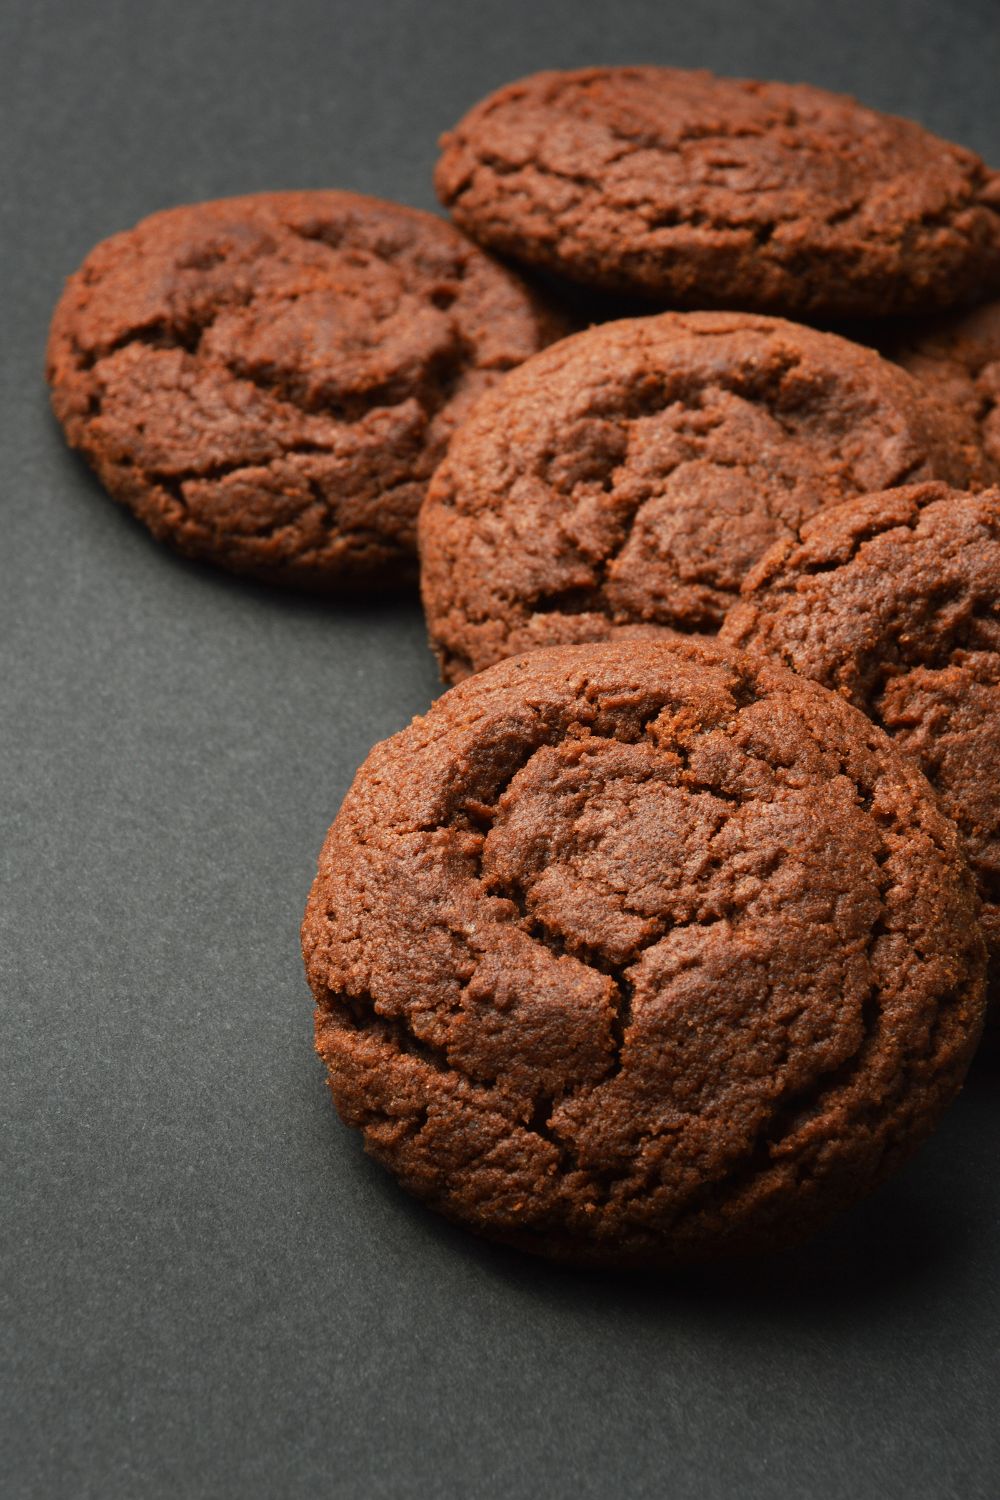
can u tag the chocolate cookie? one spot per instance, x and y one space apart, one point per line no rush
958 358
894 601
268 382
639 954
721 192
629 477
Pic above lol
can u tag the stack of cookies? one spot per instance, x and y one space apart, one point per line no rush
664 935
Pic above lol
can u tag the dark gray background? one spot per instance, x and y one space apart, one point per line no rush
207 1289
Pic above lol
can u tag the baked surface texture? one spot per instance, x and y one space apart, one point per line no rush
640 954
893 600
626 479
268 382
958 357
699 191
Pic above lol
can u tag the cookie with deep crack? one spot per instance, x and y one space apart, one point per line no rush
639 954
957 357
626 479
699 191
893 600
268 382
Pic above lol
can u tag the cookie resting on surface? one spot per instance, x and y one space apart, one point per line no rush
893 600
268 382
698 191
642 954
626 479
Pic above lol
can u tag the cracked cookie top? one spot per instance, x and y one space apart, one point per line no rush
700 191
893 600
268 382
639 953
627 478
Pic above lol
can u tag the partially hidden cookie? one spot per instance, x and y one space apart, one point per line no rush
699 191
958 358
267 382
641 954
893 600
627 478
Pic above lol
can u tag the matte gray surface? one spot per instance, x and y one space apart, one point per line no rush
206 1288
